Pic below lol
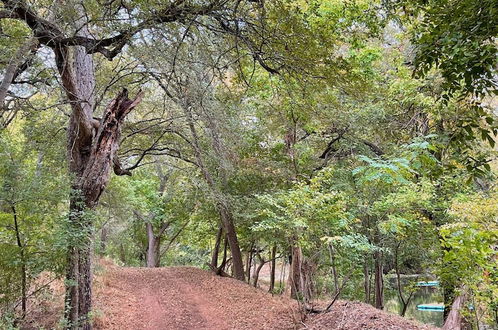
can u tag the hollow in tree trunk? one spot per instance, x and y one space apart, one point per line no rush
92 157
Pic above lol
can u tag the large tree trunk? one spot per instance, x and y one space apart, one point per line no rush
153 247
227 220
454 319
92 149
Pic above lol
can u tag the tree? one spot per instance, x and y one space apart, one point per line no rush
92 144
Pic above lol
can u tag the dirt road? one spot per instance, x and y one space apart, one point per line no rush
185 298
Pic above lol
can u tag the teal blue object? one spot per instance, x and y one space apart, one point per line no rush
429 283
431 308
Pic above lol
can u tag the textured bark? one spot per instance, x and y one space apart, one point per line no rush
91 163
454 319
300 276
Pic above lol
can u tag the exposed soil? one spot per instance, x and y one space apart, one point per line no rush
186 298
191 298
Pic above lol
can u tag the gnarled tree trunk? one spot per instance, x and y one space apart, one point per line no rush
92 149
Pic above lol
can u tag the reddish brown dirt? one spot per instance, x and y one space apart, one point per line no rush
185 298
353 315
191 298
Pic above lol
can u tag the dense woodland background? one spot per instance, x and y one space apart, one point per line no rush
353 141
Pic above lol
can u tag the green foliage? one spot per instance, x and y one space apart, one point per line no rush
458 38
469 250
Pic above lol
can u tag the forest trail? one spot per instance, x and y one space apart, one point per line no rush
184 298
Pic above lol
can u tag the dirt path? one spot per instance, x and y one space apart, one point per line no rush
184 298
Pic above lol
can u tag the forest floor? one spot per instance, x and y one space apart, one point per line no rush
192 298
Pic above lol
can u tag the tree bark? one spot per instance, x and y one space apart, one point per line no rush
152 247
12 67
262 262
90 165
221 203
454 319
379 281
334 270
295 273
273 258
404 301
216 249
366 282
103 239
249 262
